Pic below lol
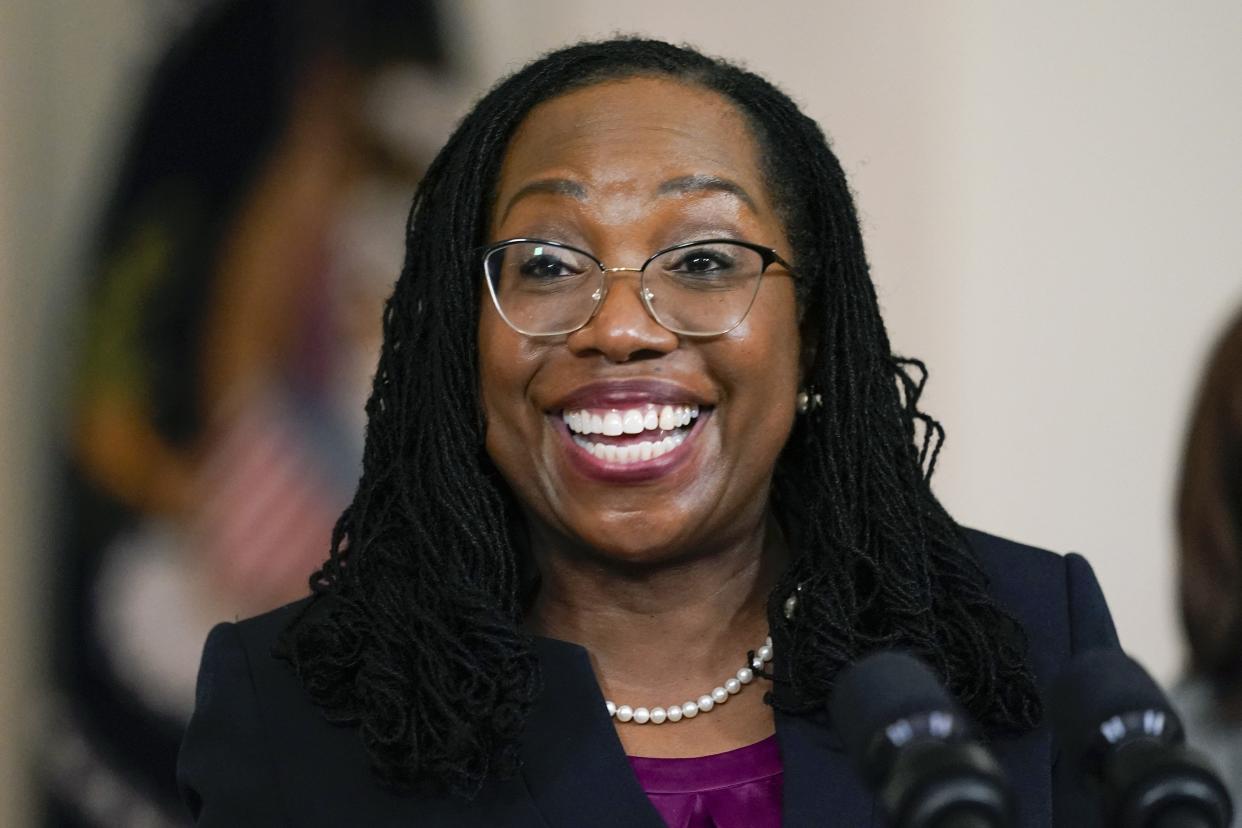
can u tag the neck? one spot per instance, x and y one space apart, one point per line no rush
666 629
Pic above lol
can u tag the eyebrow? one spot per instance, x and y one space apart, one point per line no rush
548 186
706 183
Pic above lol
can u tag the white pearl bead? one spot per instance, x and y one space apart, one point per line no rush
720 695
765 653
733 686
768 641
624 713
641 715
674 713
745 675
612 708
757 663
706 703
658 715
689 709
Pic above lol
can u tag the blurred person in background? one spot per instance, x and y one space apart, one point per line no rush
226 343
1209 533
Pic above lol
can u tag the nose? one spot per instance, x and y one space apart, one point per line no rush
622 330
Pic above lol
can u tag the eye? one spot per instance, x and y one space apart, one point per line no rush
707 266
544 263
703 261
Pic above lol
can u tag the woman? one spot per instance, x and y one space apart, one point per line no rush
1209 529
629 243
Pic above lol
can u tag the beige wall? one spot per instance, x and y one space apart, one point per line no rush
64 95
17 460
1050 193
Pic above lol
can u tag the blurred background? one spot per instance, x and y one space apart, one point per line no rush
203 207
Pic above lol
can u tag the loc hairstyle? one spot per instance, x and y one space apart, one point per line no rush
420 643
1209 523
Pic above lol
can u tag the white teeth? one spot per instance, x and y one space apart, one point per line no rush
667 420
616 422
633 452
632 422
613 424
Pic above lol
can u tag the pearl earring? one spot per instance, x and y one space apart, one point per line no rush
809 400
791 603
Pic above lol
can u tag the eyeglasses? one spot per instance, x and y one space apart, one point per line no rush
699 288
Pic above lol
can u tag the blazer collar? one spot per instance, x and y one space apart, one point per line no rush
574 766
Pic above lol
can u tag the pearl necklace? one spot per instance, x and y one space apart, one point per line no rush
688 710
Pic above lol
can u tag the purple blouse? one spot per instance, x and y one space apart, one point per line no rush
736 789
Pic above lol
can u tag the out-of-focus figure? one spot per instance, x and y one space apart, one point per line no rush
1209 525
226 346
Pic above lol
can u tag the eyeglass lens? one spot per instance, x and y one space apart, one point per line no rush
703 289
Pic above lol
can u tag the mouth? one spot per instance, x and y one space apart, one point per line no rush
631 431
632 436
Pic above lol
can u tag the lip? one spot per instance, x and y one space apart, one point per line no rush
623 393
592 467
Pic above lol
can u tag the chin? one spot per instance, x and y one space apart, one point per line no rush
631 548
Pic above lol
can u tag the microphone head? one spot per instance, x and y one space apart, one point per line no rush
874 696
1095 699
1117 726
914 747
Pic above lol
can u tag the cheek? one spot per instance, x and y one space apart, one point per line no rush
758 364
505 368
767 351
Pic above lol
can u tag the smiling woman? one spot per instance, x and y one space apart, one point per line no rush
642 475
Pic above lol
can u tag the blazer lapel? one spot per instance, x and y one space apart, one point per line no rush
573 763
821 787
1027 761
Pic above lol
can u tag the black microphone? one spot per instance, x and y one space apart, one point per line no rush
1111 718
915 748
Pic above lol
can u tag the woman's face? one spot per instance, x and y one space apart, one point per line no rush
623 169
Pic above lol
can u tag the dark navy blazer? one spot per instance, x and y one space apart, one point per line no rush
257 752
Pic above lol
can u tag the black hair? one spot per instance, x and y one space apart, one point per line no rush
1209 525
420 643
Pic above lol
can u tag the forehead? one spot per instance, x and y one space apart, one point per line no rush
624 135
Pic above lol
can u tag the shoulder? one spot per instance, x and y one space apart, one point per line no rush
252 721
240 664
1056 598
259 637
226 766
1058 602
258 750
291 719
1006 560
